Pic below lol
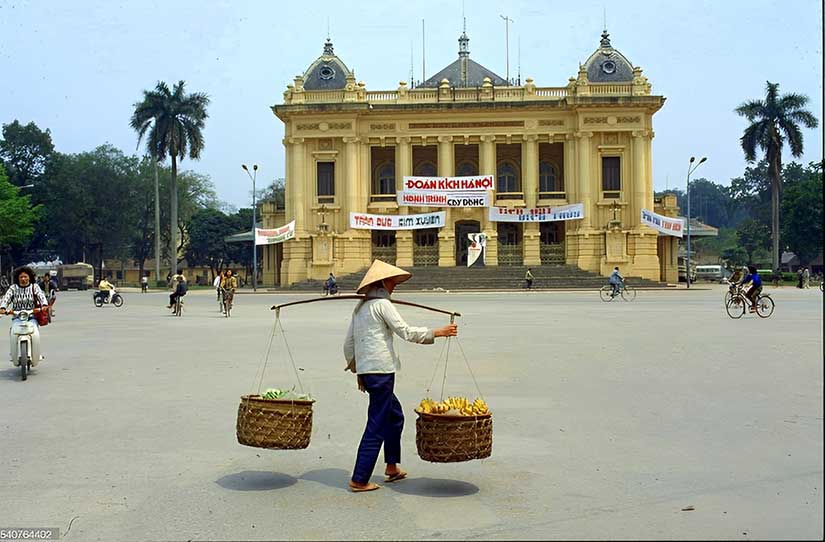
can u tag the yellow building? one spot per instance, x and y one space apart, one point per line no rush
348 150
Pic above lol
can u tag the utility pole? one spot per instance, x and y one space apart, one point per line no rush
507 21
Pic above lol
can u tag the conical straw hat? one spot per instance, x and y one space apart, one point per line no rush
379 271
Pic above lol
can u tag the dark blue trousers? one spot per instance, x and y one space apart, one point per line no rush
385 422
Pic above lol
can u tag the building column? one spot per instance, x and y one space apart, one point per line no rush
530 188
297 252
351 177
403 168
639 179
446 237
584 180
571 192
487 166
298 165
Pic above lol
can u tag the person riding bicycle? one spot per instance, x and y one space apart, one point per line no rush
144 284
752 293
180 291
105 286
229 284
330 285
217 285
616 280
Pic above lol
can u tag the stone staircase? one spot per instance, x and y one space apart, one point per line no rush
486 278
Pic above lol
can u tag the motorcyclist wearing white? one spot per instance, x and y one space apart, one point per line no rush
106 286
24 295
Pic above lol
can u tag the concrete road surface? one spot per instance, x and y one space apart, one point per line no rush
660 418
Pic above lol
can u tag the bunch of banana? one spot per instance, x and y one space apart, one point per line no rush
454 405
432 407
477 408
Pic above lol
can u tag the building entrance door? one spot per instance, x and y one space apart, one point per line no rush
462 242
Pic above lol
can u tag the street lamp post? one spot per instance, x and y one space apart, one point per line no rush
691 169
254 222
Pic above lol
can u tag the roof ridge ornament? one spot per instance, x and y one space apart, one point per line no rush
328 48
605 41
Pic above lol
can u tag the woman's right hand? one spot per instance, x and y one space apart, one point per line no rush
450 330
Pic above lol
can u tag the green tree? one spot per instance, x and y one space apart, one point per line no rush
773 121
17 215
752 236
175 122
206 246
802 214
25 151
91 203
275 192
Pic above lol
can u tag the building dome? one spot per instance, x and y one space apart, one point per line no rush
328 72
608 65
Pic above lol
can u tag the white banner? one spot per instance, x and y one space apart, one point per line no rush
443 199
278 235
478 247
460 184
665 224
574 211
363 221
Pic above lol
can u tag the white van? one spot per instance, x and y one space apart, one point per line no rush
715 273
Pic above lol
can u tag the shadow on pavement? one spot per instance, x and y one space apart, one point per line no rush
433 487
252 480
337 478
13 373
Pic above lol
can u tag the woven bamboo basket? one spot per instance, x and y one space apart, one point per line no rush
451 439
273 423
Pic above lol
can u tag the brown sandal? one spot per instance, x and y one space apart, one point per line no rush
400 475
369 487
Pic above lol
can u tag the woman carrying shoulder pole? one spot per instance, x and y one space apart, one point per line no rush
369 352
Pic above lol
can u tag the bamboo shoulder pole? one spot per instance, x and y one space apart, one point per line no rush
362 297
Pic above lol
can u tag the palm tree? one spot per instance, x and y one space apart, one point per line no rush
174 120
772 122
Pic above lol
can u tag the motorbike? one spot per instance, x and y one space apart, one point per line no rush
100 298
25 352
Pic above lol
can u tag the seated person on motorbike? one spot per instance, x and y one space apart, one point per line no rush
105 286
23 295
229 285
330 285
615 280
755 289
180 291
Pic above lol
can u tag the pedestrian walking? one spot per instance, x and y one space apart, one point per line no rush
806 278
369 352
528 278
799 276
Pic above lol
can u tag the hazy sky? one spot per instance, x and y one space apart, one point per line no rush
78 67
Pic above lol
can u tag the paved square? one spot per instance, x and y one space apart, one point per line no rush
609 420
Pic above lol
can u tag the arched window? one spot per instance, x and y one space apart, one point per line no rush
466 169
385 179
549 177
425 169
508 177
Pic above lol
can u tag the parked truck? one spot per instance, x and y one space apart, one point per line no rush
75 275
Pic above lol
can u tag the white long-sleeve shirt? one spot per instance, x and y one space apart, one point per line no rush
369 341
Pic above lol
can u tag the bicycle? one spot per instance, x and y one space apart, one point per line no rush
738 304
177 308
228 297
627 293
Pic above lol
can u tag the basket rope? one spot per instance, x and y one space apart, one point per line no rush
446 348
278 324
